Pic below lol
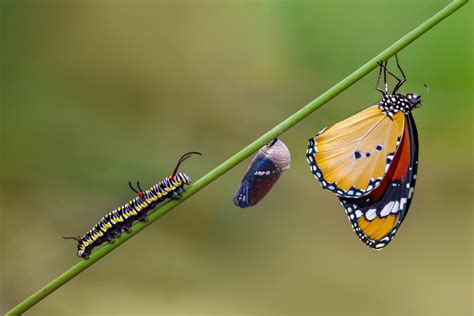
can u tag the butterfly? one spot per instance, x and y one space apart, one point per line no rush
370 160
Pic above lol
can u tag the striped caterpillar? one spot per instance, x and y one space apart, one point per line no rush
137 209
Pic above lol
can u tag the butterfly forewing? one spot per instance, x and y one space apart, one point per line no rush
351 157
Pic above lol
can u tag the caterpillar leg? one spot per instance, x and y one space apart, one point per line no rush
127 227
143 217
114 232
175 195
109 238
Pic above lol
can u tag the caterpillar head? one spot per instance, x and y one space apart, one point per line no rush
81 246
82 254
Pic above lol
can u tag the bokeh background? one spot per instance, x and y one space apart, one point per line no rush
97 93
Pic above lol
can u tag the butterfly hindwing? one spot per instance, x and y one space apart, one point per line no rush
414 163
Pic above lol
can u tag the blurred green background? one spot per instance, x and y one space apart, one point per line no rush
97 93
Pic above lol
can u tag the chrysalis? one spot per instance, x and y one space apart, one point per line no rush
262 173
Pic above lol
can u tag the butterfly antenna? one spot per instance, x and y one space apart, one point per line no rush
427 88
183 158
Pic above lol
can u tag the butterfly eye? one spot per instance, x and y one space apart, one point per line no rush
414 98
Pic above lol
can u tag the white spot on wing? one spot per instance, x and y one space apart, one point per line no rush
402 203
410 194
370 214
395 207
387 209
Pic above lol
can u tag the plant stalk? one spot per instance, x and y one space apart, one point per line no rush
241 155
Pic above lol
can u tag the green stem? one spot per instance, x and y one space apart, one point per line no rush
241 155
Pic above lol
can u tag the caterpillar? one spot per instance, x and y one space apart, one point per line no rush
137 209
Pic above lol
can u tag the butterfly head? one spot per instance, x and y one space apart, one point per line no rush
415 99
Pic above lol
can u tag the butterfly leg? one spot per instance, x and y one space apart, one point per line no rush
400 81
385 84
380 63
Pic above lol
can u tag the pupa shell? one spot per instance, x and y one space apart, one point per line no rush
262 174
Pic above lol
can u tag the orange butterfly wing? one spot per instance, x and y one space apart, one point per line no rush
352 157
